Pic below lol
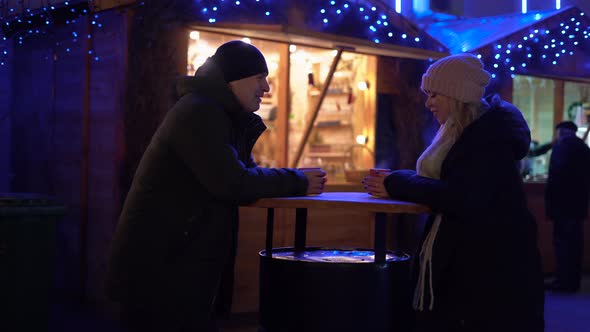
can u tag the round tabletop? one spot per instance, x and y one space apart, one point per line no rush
359 201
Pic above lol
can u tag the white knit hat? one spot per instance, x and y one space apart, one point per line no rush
459 76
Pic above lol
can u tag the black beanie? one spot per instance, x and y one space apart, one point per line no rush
238 60
569 125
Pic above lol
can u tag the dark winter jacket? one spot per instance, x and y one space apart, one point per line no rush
486 268
568 184
179 222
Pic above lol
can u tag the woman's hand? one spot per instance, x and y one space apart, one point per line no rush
374 185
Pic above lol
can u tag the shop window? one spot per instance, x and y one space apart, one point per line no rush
534 96
577 106
341 137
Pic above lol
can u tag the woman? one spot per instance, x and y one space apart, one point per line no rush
479 267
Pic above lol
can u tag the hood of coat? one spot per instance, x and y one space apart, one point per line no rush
503 124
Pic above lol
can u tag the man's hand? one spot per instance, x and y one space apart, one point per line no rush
316 178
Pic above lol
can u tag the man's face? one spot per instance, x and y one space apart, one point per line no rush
250 90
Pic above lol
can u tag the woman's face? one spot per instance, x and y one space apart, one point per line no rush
439 105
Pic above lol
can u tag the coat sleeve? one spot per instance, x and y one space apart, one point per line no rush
469 186
200 137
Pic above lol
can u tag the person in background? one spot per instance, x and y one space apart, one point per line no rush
172 255
535 150
479 266
566 203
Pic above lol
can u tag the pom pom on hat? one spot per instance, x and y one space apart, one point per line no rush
459 76
238 60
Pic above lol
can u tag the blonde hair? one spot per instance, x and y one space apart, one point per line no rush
461 115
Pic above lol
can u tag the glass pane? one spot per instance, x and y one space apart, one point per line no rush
577 106
534 96
339 136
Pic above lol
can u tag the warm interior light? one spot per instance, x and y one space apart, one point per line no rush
292 48
362 139
194 35
363 85
246 40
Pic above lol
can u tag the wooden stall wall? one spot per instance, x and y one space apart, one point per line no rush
65 119
5 116
536 201
405 126
157 57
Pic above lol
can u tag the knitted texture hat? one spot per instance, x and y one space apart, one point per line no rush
459 76
238 60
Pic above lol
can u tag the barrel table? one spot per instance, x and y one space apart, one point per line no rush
307 289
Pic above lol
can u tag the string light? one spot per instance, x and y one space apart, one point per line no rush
21 22
367 20
532 42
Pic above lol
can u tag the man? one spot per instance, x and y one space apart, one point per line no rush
173 251
566 204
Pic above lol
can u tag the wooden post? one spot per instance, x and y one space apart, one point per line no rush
558 100
85 165
283 107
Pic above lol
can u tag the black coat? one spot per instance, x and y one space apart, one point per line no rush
178 227
486 266
568 184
